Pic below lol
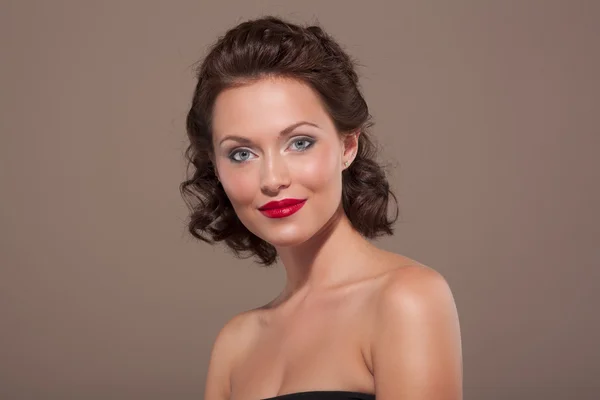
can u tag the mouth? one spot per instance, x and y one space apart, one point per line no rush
282 208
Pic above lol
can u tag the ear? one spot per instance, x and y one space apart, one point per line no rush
350 143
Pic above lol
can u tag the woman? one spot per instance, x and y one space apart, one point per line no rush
283 168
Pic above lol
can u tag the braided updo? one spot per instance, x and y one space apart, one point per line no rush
272 47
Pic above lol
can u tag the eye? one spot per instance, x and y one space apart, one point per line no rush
240 155
302 144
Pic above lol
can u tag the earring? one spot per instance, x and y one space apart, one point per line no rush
346 164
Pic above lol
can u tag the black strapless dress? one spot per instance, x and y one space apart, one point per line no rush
324 395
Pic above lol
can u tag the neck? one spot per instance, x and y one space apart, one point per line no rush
323 261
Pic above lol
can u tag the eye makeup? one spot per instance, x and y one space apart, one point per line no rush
242 154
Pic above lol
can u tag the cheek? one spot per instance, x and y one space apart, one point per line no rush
238 185
318 171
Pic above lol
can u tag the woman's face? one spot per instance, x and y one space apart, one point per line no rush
273 140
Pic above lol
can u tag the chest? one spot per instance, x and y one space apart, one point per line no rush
321 346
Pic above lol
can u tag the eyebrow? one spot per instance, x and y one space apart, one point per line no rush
284 132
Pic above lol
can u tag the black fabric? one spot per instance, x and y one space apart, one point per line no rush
324 395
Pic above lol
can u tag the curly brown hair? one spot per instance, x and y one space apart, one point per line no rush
269 47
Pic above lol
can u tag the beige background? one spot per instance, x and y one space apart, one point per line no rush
488 111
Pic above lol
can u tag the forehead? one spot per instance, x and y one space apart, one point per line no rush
267 105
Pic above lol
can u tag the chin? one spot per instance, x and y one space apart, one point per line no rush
287 235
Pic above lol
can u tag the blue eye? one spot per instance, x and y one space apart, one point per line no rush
240 155
303 144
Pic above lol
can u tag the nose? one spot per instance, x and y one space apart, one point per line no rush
274 174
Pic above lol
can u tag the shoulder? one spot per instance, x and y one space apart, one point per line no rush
415 286
235 335
236 329
416 346
414 295
230 343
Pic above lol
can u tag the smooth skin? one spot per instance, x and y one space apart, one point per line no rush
351 316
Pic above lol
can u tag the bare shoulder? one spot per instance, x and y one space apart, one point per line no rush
416 346
230 344
415 282
415 288
237 332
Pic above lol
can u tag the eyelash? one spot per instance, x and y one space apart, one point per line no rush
310 142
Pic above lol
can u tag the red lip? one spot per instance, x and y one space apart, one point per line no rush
283 208
280 204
